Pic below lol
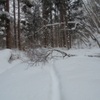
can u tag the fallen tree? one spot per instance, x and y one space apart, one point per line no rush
44 55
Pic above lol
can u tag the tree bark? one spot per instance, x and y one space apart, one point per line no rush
8 34
44 23
19 40
15 36
62 19
51 28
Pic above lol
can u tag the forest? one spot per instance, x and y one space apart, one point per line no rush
66 24
49 49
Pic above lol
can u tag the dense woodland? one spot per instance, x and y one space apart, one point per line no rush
49 23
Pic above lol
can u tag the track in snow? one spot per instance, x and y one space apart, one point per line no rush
56 95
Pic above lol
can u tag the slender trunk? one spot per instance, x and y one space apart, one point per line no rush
15 36
62 19
61 26
8 35
51 28
19 41
68 32
44 23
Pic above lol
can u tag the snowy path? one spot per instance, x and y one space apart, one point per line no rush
56 95
71 78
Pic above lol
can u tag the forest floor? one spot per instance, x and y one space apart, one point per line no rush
70 78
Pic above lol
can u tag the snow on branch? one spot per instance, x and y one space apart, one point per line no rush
61 23
6 14
75 24
55 24
37 56
98 5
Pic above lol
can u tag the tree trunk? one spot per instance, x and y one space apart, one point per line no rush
51 28
15 36
19 41
44 23
8 34
62 19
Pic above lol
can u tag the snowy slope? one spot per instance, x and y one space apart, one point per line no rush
4 60
79 78
71 78
18 83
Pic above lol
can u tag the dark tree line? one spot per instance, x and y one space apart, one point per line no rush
49 23
12 40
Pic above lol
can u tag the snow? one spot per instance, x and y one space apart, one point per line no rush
4 60
1 32
80 78
21 84
56 95
71 78
5 13
4 57
97 4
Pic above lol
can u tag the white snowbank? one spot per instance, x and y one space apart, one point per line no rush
80 78
71 78
4 58
18 83
5 63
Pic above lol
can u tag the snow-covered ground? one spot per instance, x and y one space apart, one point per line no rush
71 78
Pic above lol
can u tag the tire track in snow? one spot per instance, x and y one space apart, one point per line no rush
56 95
